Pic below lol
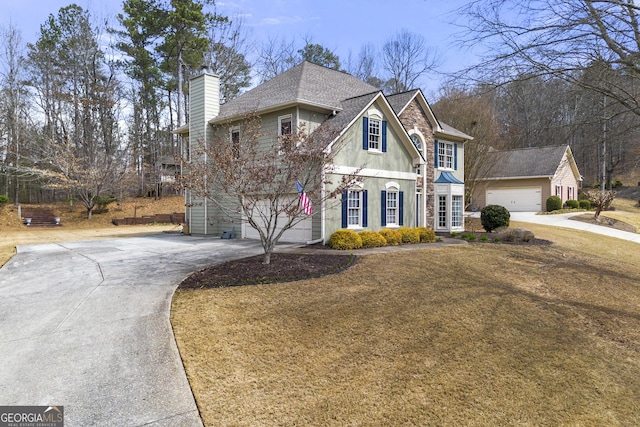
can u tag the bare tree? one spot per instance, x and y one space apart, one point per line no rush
14 108
226 55
406 59
593 45
79 94
601 200
251 176
275 56
365 65
474 114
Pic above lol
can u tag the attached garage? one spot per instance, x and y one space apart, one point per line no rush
299 233
523 199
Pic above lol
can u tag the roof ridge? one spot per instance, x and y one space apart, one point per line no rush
360 96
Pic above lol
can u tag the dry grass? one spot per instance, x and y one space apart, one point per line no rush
626 210
75 225
478 335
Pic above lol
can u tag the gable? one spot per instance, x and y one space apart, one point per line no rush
530 162
395 150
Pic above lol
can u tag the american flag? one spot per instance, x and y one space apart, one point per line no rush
305 203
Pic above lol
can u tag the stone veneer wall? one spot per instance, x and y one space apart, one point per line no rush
413 117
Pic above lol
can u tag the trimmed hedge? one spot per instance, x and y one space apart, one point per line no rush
409 235
427 235
573 204
393 237
554 203
372 239
585 204
345 240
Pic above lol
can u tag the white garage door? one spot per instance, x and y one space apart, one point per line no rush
300 233
526 199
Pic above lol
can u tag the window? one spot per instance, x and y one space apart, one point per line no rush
570 193
235 141
442 211
284 132
284 125
559 191
354 208
445 155
456 211
374 133
416 141
391 208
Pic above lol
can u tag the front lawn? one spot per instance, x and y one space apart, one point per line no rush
460 335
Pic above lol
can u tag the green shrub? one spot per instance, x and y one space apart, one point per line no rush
102 202
427 235
484 238
494 216
372 239
585 204
345 240
409 235
3 200
468 236
616 184
554 203
573 204
393 237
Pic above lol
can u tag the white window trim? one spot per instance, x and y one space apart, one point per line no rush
283 118
443 160
360 208
461 211
392 224
416 131
377 118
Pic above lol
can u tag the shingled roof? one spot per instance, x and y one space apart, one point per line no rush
305 83
526 162
399 102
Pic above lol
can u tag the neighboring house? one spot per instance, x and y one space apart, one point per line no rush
408 164
522 180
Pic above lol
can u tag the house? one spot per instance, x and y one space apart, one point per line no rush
409 165
522 180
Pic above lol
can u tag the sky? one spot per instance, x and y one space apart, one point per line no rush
341 26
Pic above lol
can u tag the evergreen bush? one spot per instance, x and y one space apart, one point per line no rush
493 217
345 240
572 204
393 237
372 239
554 203
427 235
585 204
409 235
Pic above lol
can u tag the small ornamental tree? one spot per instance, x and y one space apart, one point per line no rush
251 176
493 217
600 200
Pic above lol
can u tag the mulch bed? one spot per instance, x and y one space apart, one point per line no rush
605 221
284 267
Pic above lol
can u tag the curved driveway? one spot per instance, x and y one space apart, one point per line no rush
86 325
562 220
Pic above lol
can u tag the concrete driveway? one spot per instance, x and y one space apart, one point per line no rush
562 220
86 325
